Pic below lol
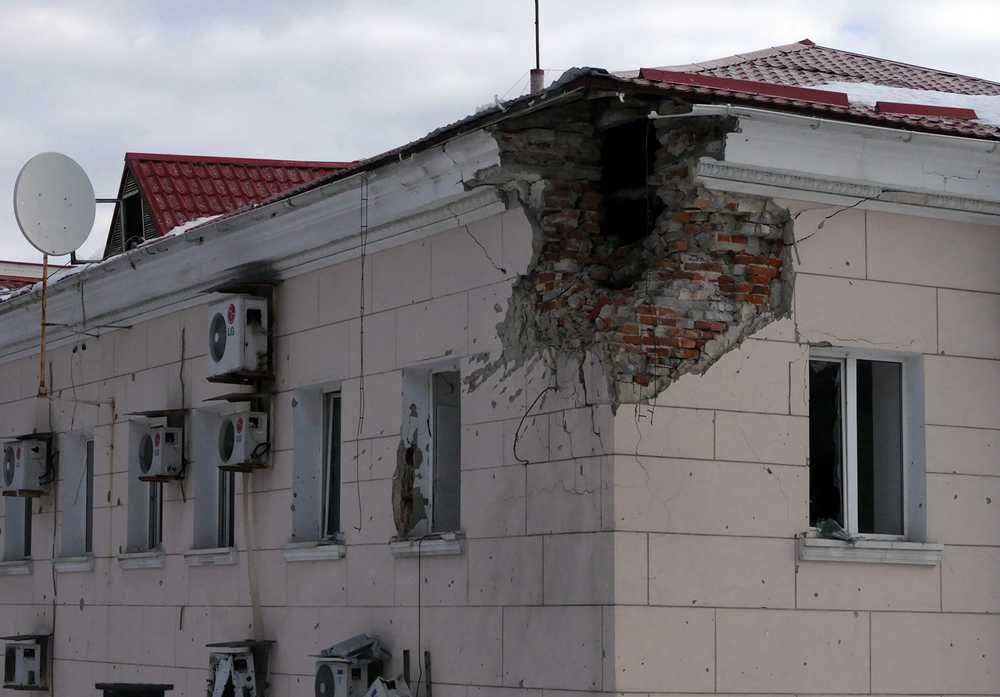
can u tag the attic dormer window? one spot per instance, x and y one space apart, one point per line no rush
131 222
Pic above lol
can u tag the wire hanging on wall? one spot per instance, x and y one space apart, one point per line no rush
361 341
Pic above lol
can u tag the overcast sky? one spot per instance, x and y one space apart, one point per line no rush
340 80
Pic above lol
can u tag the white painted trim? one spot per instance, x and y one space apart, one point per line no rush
313 551
410 199
446 544
870 551
71 565
214 556
142 560
16 567
779 183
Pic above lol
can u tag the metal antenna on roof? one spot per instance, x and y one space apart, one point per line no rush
537 74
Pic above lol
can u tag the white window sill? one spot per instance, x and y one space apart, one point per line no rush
213 556
313 551
73 565
16 567
142 560
870 551
445 544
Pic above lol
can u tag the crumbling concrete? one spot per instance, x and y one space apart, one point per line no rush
634 260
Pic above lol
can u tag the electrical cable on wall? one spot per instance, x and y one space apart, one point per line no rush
361 341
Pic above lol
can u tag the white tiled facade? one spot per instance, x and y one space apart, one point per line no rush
648 550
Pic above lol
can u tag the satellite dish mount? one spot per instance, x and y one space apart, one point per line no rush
54 206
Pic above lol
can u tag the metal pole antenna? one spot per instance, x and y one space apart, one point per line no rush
537 74
42 391
538 59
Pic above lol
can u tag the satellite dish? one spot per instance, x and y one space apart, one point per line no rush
54 203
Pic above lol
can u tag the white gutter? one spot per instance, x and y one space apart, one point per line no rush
409 199
818 122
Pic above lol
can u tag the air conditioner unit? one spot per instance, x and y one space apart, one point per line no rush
350 667
25 663
243 438
237 336
161 453
232 673
24 466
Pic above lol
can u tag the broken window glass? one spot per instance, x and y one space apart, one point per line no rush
826 441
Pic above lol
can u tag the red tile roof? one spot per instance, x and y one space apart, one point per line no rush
804 64
181 188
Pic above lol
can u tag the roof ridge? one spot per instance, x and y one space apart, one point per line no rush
906 65
249 161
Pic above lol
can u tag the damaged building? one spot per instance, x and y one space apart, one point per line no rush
680 380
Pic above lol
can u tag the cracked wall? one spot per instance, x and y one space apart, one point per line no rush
634 260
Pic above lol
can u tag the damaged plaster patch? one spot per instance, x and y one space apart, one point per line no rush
635 261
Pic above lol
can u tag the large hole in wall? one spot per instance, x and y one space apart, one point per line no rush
627 156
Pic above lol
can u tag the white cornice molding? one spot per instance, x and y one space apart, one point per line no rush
415 197
742 178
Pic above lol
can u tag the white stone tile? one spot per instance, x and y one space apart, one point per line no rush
598 568
792 651
466 257
370 575
963 509
703 570
963 450
531 634
505 571
865 314
464 643
932 252
487 308
969 323
380 343
774 438
564 496
663 432
751 377
971 579
841 586
697 496
493 502
656 647
836 249
401 275
442 580
434 329
962 391
934 653
296 305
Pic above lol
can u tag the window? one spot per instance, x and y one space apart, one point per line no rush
76 493
857 443
88 513
316 415
27 527
331 465
430 499
446 466
132 227
226 508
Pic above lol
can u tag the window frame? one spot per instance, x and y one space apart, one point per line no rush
848 359
332 457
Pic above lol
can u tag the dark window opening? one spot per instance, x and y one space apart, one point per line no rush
331 465
826 443
880 448
132 228
88 534
446 469
227 506
630 205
